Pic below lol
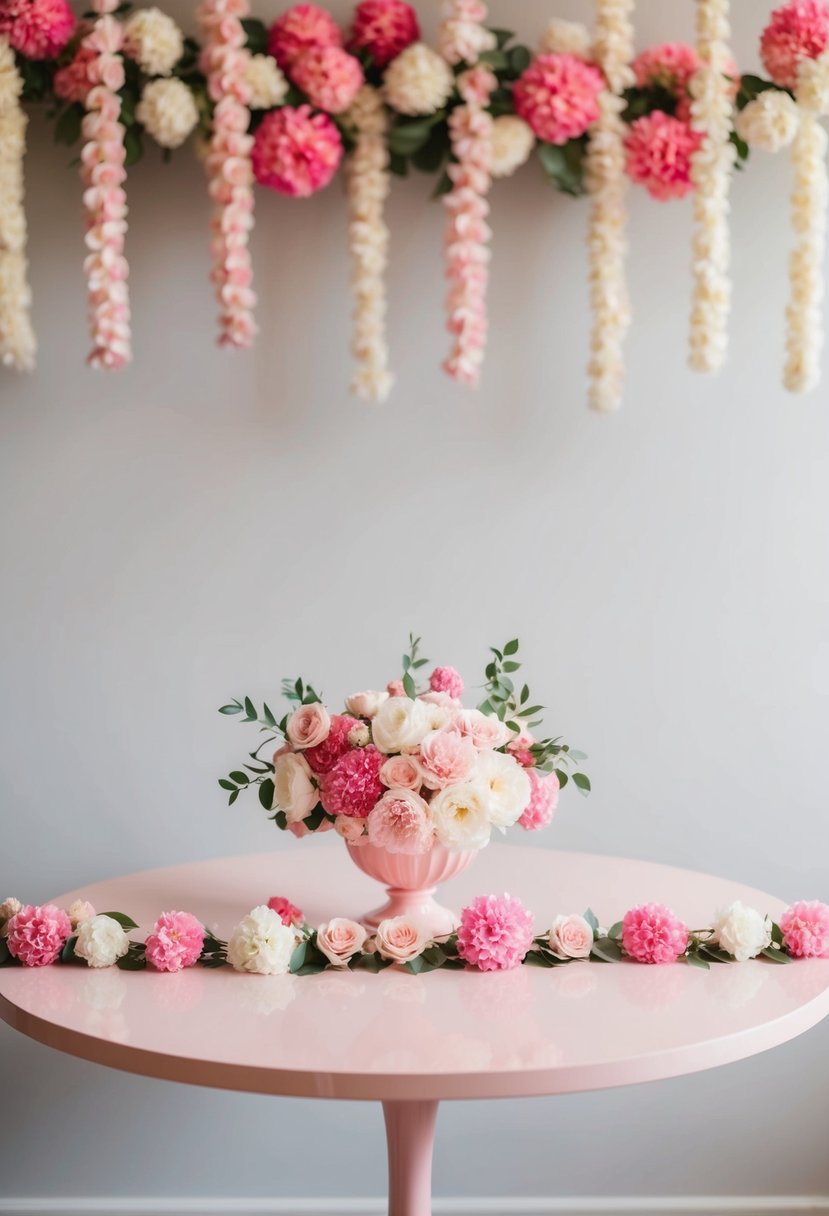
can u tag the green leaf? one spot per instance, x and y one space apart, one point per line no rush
776 956
405 138
714 953
257 35
607 951
134 147
511 666
67 954
694 960
562 777
615 931
233 798
225 784
398 164
313 821
511 647
266 793
268 716
126 922
502 37
281 820
519 60
564 166
497 60
592 920
235 708
68 125
250 710
579 779
298 957
239 777
132 962
536 959
444 185
409 686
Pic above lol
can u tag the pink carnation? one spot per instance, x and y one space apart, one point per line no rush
39 29
652 934
400 823
295 151
658 154
446 679
353 786
558 96
71 83
288 913
328 76
796 31
301 27
36 935
495 934
175 942
384 28
541 808
668 66
325 755
805 928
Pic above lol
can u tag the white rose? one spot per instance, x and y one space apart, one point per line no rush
570 937
101 941
742 931
507 787
399 725
366 704
461 816
154 41
293 789
79 911
260 943
340 939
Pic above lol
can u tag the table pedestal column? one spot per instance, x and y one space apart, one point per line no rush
410 1134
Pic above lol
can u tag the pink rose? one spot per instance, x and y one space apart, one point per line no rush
399 939
352 830
365 704
446 758
485 730
571 937
401 773
309 725
340 939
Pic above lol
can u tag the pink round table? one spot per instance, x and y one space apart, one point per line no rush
411 1041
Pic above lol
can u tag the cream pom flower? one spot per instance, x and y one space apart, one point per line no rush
742 931
101 941
266 81
167 110
565 38
261 943
461 816
418 81
769 122
512 143
507 788
154 41
813 84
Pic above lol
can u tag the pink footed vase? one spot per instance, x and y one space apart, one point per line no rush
410 881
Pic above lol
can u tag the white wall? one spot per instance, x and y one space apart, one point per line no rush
205 523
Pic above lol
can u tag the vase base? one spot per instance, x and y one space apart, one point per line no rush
432 918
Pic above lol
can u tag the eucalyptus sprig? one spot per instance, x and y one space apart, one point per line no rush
411 664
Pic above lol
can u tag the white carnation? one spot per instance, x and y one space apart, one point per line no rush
154 41
167 110
101 941
512 142
769 122
261 943
400 725
461 816
565 38
506 785
266 81
418 81
742 931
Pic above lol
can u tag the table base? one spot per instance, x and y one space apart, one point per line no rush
410 1135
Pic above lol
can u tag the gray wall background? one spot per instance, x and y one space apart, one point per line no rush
202 525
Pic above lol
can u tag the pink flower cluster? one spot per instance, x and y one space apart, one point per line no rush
295 151
176 941
658 152
796 31
558 95
38 29
668 66
652 933
300 28
230 175
495 933
383 28
329 77
301 154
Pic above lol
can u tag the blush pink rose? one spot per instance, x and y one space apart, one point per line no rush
79 910
287 912
446 758
353 831
308 726
176 941
36 935
570 937
400 823
805 929
485 730
399 939
401 773
340 939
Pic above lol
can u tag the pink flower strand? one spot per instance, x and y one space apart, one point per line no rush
175 942
495 933
651 933
805 929
36 935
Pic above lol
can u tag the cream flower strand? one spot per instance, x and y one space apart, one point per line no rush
711 169
17 339
367 184
607 182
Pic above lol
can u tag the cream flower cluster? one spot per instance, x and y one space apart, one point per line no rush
153 40
711 169
769 122
565 38
267 82
17 339
512 142
463 33
607 182
367 185
168 111
418 81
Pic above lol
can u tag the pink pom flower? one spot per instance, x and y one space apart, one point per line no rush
39 29
658 152
175 942
446 679
288 913
796 31
541 808
653 934
325 755
36 935
299 28
669 66
805 928
384 28
295 151
400 823
328 76
558 96
495 934
71 83
353 786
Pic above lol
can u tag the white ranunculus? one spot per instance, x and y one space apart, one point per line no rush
742 931
167 110
417 81
507 787
101 941
293 789
153 40
261 943
461 816
399 725
366 704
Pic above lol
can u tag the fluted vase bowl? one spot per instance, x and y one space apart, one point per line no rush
410 881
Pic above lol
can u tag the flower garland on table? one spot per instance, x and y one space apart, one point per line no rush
495 933
17 339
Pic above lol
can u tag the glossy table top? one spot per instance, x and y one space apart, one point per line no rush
434 1036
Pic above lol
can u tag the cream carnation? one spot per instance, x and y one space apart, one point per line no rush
266 81
565 38
769 122
293 789
101 941
154 41
461 817
742 931
507 787
9 908
418 81
512 143
399 725
261 943
167 110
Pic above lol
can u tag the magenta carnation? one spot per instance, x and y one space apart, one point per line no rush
39 29
558 96
36 935
667 66
328 76
652 934
325 755
658 154
495 933
287 912
295 151
446 679
353 786
541 808
175 942
805 929
796 31
300 27
384 28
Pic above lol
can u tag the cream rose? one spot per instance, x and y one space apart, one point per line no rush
485 730
570 937
742 931
365 704
399 939
399 725
340 939
101 941
461 816
293 789
309 725
507 787
261 943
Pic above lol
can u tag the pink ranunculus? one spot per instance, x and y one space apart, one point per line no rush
400 823
805 929
446 679
652 933
300 27
288 913
353 831
176 941
446 757
328 76
485 730
658 152
308 726
36 934
399 939
340 940
353 785
38 29
401 773
383 28
495 933
325 755
795 31
570 937
540 810
558 95
295 151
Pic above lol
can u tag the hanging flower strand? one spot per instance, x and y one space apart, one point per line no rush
607 182
711 167
17 339
225 63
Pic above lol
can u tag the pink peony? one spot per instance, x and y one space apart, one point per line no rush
558 96
384 28
805 928
652 934
446 758
446 679
323 757
400 823
295 151
668 66
301 27
328 76
39 29
495 934
541 808
175 942
72 82
658 154
288 913
36 935
796 31
353 786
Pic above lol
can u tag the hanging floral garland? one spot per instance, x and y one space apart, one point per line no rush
17 339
